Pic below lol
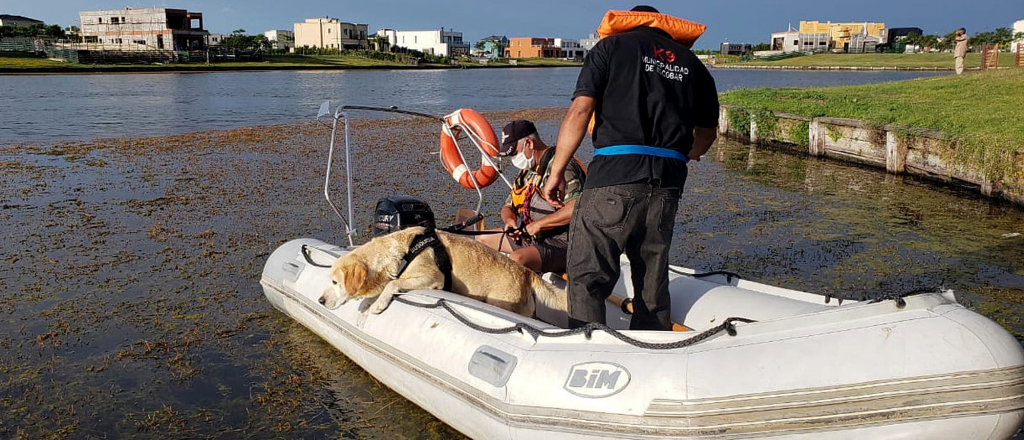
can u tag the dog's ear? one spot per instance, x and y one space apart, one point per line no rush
355 276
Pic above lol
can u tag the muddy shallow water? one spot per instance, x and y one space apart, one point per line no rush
130 303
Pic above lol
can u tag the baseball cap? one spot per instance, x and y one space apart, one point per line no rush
512 133
644 8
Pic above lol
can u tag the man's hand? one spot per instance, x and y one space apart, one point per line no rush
554 190
703 138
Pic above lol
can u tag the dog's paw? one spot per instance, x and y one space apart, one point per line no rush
380 304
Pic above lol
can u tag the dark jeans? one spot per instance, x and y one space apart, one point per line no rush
635 220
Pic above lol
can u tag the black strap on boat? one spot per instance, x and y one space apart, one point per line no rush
309 259
588 330
728 275
420 243
898 297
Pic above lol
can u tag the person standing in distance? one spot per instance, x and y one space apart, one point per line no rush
961 49
655 107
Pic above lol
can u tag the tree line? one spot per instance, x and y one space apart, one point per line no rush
1001 37
35 30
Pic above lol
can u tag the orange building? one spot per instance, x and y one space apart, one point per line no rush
530 47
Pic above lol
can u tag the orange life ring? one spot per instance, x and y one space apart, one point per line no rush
481 134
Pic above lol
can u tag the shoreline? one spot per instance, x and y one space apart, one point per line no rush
863 68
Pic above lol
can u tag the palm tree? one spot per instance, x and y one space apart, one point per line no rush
380 43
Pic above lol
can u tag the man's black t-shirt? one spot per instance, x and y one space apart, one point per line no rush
649 91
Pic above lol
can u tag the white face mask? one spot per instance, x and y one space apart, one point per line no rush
522 162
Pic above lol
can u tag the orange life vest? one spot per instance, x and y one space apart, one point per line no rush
685 32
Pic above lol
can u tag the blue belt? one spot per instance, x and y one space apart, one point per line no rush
616 150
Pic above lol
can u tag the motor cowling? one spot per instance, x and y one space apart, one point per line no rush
400 212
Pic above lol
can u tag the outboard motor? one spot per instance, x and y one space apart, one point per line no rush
400 212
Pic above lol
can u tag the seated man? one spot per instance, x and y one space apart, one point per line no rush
544 250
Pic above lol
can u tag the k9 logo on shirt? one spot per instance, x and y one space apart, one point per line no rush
665 55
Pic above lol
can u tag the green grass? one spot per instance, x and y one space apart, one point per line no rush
321 60
981 113
19 60
899 60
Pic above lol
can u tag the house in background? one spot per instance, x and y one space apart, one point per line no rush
213 39
735 49
839 34
588 43
892 42
492 47
17 21
330 33
143 29
281 39
788 41
571 48
1018 27
532 47
438 42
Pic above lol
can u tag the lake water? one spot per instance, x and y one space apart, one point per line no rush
52 108
130 304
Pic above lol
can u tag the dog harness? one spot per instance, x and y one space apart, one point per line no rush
420 243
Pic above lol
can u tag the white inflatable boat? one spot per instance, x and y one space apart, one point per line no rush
798 366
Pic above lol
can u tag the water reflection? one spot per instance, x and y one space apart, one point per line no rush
822 226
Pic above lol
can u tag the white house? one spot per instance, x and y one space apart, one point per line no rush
214 39
571 49
1018 26
281 39
788 41
440 42
330 33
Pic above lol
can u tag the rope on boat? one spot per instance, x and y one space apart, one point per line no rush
587 330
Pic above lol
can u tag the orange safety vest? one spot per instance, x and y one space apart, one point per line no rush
524 188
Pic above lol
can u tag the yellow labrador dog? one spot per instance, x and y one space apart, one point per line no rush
478 272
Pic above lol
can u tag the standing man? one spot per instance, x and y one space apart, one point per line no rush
961 49
655 107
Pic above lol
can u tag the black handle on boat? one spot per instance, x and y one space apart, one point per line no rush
465 223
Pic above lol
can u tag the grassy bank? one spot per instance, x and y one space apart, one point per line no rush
980 112
13 62
897 60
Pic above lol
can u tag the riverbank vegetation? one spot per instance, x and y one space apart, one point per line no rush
979 113
868 60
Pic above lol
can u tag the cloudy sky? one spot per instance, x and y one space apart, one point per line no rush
738 21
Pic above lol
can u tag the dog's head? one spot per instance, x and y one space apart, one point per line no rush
348 275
